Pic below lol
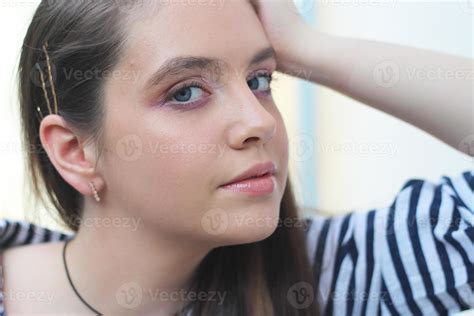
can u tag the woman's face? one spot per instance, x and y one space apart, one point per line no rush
168 152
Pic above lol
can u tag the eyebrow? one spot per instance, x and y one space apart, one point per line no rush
178 64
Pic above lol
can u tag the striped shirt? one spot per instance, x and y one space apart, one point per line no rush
414 257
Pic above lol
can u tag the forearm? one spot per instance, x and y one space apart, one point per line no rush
430 90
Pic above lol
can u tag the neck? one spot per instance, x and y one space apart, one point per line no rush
125 267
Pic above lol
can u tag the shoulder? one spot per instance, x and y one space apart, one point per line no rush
31 276
412 257
448 201
28 259
19 232
21 263
427 262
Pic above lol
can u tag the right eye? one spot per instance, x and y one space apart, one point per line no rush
186 96
261 83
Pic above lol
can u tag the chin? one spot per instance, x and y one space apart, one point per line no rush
248 228
245 237
241 222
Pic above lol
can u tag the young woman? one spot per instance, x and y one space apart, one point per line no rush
151 128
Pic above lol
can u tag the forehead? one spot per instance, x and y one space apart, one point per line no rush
227 30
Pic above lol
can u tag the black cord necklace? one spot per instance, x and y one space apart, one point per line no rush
70 281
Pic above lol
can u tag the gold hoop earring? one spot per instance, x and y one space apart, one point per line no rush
96 195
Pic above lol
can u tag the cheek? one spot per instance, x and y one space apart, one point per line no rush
281 147
281 138
156 169
164 175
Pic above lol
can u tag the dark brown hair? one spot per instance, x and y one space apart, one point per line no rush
84 35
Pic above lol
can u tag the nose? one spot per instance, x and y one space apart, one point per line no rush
252 124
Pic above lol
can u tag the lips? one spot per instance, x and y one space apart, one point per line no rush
256 171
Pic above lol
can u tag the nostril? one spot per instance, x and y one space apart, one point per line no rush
251 138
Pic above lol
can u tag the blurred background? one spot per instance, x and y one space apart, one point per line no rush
345 155
330 135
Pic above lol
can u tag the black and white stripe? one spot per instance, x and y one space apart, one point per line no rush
18 232
414 257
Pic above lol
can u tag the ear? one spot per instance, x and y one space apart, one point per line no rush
72 159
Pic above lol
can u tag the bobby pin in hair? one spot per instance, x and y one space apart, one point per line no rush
43 83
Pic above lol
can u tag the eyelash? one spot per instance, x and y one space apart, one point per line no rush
195 84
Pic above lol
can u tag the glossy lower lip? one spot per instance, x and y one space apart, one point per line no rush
254 187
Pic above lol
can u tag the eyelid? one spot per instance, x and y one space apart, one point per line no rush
194 83
260 72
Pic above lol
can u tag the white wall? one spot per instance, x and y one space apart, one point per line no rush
15 16
351 179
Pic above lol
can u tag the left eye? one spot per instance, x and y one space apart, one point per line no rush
188 94
261 82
